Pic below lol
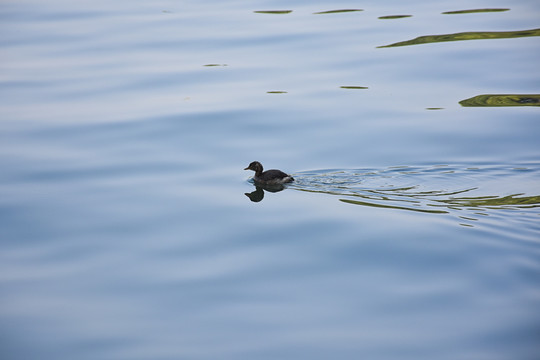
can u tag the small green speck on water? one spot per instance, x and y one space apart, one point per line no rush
273 11
394 17
354 87
473 11
337 11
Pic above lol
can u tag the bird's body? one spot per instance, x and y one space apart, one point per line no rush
268 177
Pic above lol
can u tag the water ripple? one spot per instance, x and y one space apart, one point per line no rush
440 189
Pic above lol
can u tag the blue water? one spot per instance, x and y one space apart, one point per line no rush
125 229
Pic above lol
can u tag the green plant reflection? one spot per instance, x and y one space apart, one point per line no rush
443 206
502 100
273 12
354 87
389 17
428 39
473 11
366 203
337 11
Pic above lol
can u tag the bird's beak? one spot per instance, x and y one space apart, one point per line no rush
247 168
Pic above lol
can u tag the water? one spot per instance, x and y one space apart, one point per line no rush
126 233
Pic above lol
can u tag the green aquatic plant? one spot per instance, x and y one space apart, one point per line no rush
428 39
473 11
489 100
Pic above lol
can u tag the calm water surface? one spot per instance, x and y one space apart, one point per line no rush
130 231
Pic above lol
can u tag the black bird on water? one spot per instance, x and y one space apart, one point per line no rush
268 177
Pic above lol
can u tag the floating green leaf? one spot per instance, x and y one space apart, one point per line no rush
474 11
466 36
273 11
394 17
502 100
338 11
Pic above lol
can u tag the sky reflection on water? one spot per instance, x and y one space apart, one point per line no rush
126 230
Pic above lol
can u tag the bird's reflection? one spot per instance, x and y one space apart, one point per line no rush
258 194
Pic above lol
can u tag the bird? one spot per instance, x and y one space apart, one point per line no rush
268 177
